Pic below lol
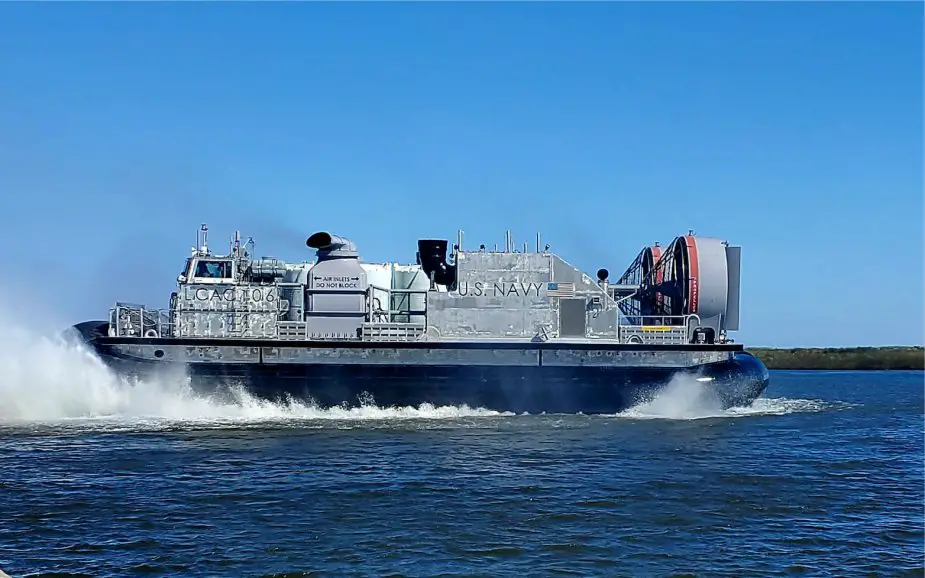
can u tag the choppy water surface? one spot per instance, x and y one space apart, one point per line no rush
824 476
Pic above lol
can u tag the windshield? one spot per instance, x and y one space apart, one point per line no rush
213 269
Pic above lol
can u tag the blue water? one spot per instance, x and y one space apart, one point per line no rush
822 477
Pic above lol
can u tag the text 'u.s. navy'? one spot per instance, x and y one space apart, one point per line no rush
498 289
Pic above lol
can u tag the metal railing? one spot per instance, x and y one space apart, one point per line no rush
234 321
131 320
378 314
392 331
659 329
242 319
135 321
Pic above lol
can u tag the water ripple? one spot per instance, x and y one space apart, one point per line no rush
821 475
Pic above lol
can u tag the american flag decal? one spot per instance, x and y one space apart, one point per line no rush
560 289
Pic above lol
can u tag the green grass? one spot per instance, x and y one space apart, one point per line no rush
848 358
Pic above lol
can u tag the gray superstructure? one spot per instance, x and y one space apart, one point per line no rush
481 294
514 324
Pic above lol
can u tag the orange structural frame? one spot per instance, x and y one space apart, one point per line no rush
693 260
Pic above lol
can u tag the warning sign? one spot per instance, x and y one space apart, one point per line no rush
334 282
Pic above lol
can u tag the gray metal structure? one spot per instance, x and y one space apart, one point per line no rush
481 308
498 295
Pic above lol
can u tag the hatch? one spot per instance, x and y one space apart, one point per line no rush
572 318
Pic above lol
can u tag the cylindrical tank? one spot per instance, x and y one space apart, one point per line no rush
379 278
268 269
409 277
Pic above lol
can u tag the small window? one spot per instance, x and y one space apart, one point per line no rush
213 269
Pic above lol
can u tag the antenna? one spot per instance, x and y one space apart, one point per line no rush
203 246
236 244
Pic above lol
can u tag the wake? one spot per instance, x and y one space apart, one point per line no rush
685 398
47 379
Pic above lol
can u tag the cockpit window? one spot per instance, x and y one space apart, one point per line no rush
213 269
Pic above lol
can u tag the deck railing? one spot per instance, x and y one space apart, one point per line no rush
240 320
379 323
659 329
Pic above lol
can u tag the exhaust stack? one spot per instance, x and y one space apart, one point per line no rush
330 246
432 257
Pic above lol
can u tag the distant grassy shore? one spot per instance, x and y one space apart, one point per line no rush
847 358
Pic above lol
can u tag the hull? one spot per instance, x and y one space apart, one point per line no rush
523 377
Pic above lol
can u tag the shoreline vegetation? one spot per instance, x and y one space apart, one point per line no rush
841 358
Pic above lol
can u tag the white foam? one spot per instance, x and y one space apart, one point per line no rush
46 379
686 398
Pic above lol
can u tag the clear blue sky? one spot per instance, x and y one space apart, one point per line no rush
793 129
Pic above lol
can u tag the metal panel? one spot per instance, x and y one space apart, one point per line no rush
602 320
192 353
336 303
572 318
398 356
734 261
497 295
711 276
185 354
226 311
598 358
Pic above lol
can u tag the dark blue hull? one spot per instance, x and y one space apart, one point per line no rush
552 389
517 389
735 382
